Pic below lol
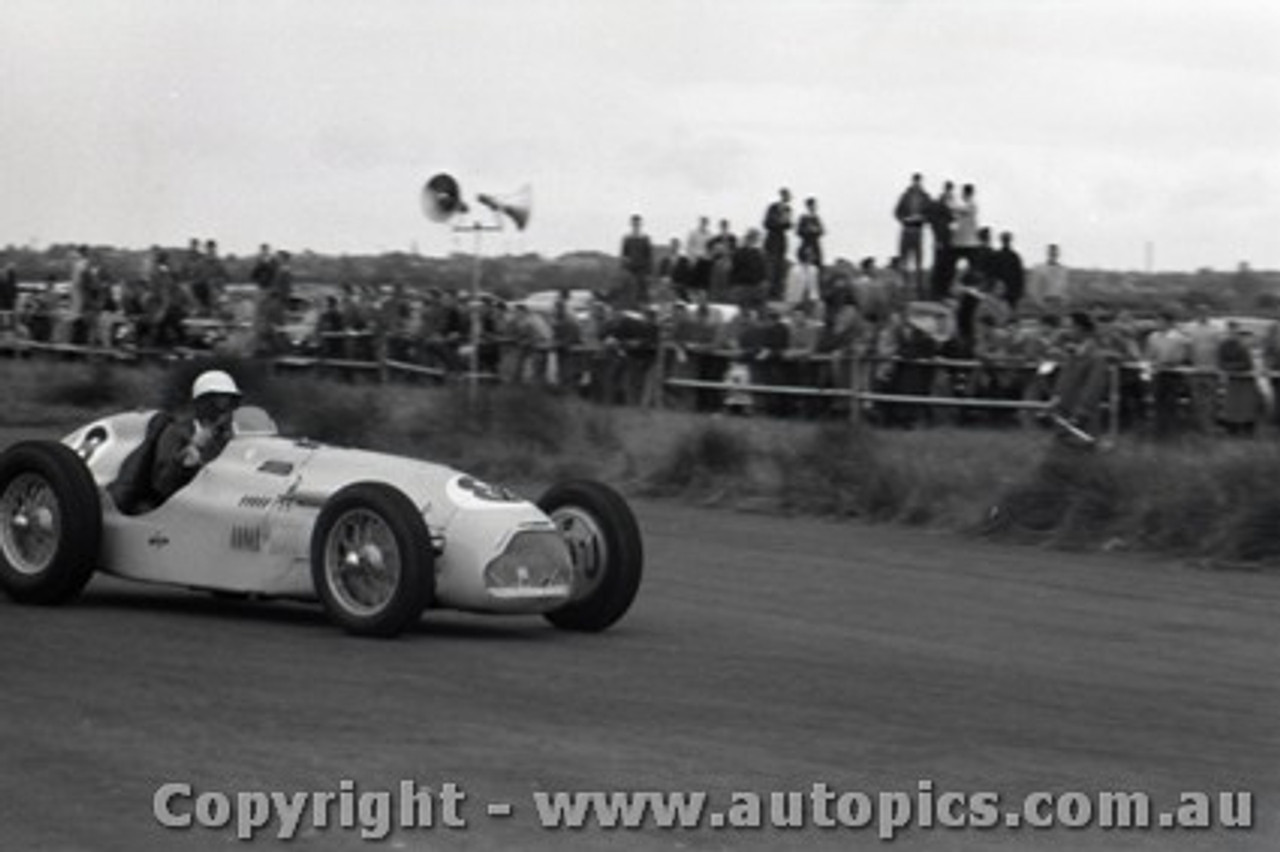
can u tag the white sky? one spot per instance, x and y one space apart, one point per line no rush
1094 123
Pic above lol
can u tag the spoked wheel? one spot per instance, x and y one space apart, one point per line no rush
608 555
50 523
371 560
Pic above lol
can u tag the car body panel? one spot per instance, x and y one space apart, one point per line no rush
245 522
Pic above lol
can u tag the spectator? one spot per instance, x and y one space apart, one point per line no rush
743 338
674 275
724 240
777 221
1006 267
1241 402
869 293
70 329
532 339
632 342
941 215
36 316
282 281
803 330
749 270
192 260
395 315
1083 378
563 362
1202 381
698 250
264 268
810 230
8 288
704 336
982 260
597 353
493 335
166 304
964 230
803 279
893 284
1050 284
210 280
843 334
677 333
455 331
1119 340
912 375
95 290
913 212
637 264
109 296
722 247
771 343
968 299
331 328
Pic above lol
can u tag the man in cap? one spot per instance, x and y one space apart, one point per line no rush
190 442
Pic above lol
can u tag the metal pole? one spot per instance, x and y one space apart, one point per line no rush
1113 400
473 379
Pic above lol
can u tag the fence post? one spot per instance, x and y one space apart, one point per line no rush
1113 401
855 387
658 381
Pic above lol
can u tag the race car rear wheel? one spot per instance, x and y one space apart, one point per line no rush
371 560
50 523
608 555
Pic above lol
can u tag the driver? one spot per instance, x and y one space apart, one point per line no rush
192 441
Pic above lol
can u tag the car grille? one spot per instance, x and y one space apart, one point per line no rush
533 564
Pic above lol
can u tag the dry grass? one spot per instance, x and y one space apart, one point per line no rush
1208 499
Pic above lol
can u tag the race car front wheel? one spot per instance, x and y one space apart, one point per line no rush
371 560
608 556
50 523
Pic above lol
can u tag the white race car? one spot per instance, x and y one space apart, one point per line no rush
376 538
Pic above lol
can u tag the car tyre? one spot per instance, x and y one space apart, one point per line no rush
608 554
50 523
372 560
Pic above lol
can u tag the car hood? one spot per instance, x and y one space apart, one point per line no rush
316 471
439 491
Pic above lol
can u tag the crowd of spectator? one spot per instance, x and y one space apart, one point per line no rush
719 314
1003 318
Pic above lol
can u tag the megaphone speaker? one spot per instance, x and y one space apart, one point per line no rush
517 206
442 198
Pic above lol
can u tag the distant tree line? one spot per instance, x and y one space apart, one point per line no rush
512 276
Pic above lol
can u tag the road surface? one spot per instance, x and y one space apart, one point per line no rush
764 654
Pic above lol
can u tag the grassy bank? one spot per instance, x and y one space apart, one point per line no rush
1217 500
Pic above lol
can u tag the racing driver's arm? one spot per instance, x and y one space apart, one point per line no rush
176 462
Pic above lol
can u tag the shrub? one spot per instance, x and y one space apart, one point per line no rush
88 386
707 455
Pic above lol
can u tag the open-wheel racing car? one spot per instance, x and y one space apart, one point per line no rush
376 538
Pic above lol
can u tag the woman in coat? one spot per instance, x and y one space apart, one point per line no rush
1241 403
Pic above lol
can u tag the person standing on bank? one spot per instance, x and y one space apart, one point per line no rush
637 263
912 213
810 231
777 221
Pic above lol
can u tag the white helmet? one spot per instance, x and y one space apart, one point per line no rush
214 381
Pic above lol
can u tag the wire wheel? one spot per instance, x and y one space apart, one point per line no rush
588 546
362 562
30 523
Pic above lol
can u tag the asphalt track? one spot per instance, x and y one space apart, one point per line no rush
764 654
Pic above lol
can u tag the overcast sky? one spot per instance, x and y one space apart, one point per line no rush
1098 124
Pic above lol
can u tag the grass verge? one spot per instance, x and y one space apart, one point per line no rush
1209 499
